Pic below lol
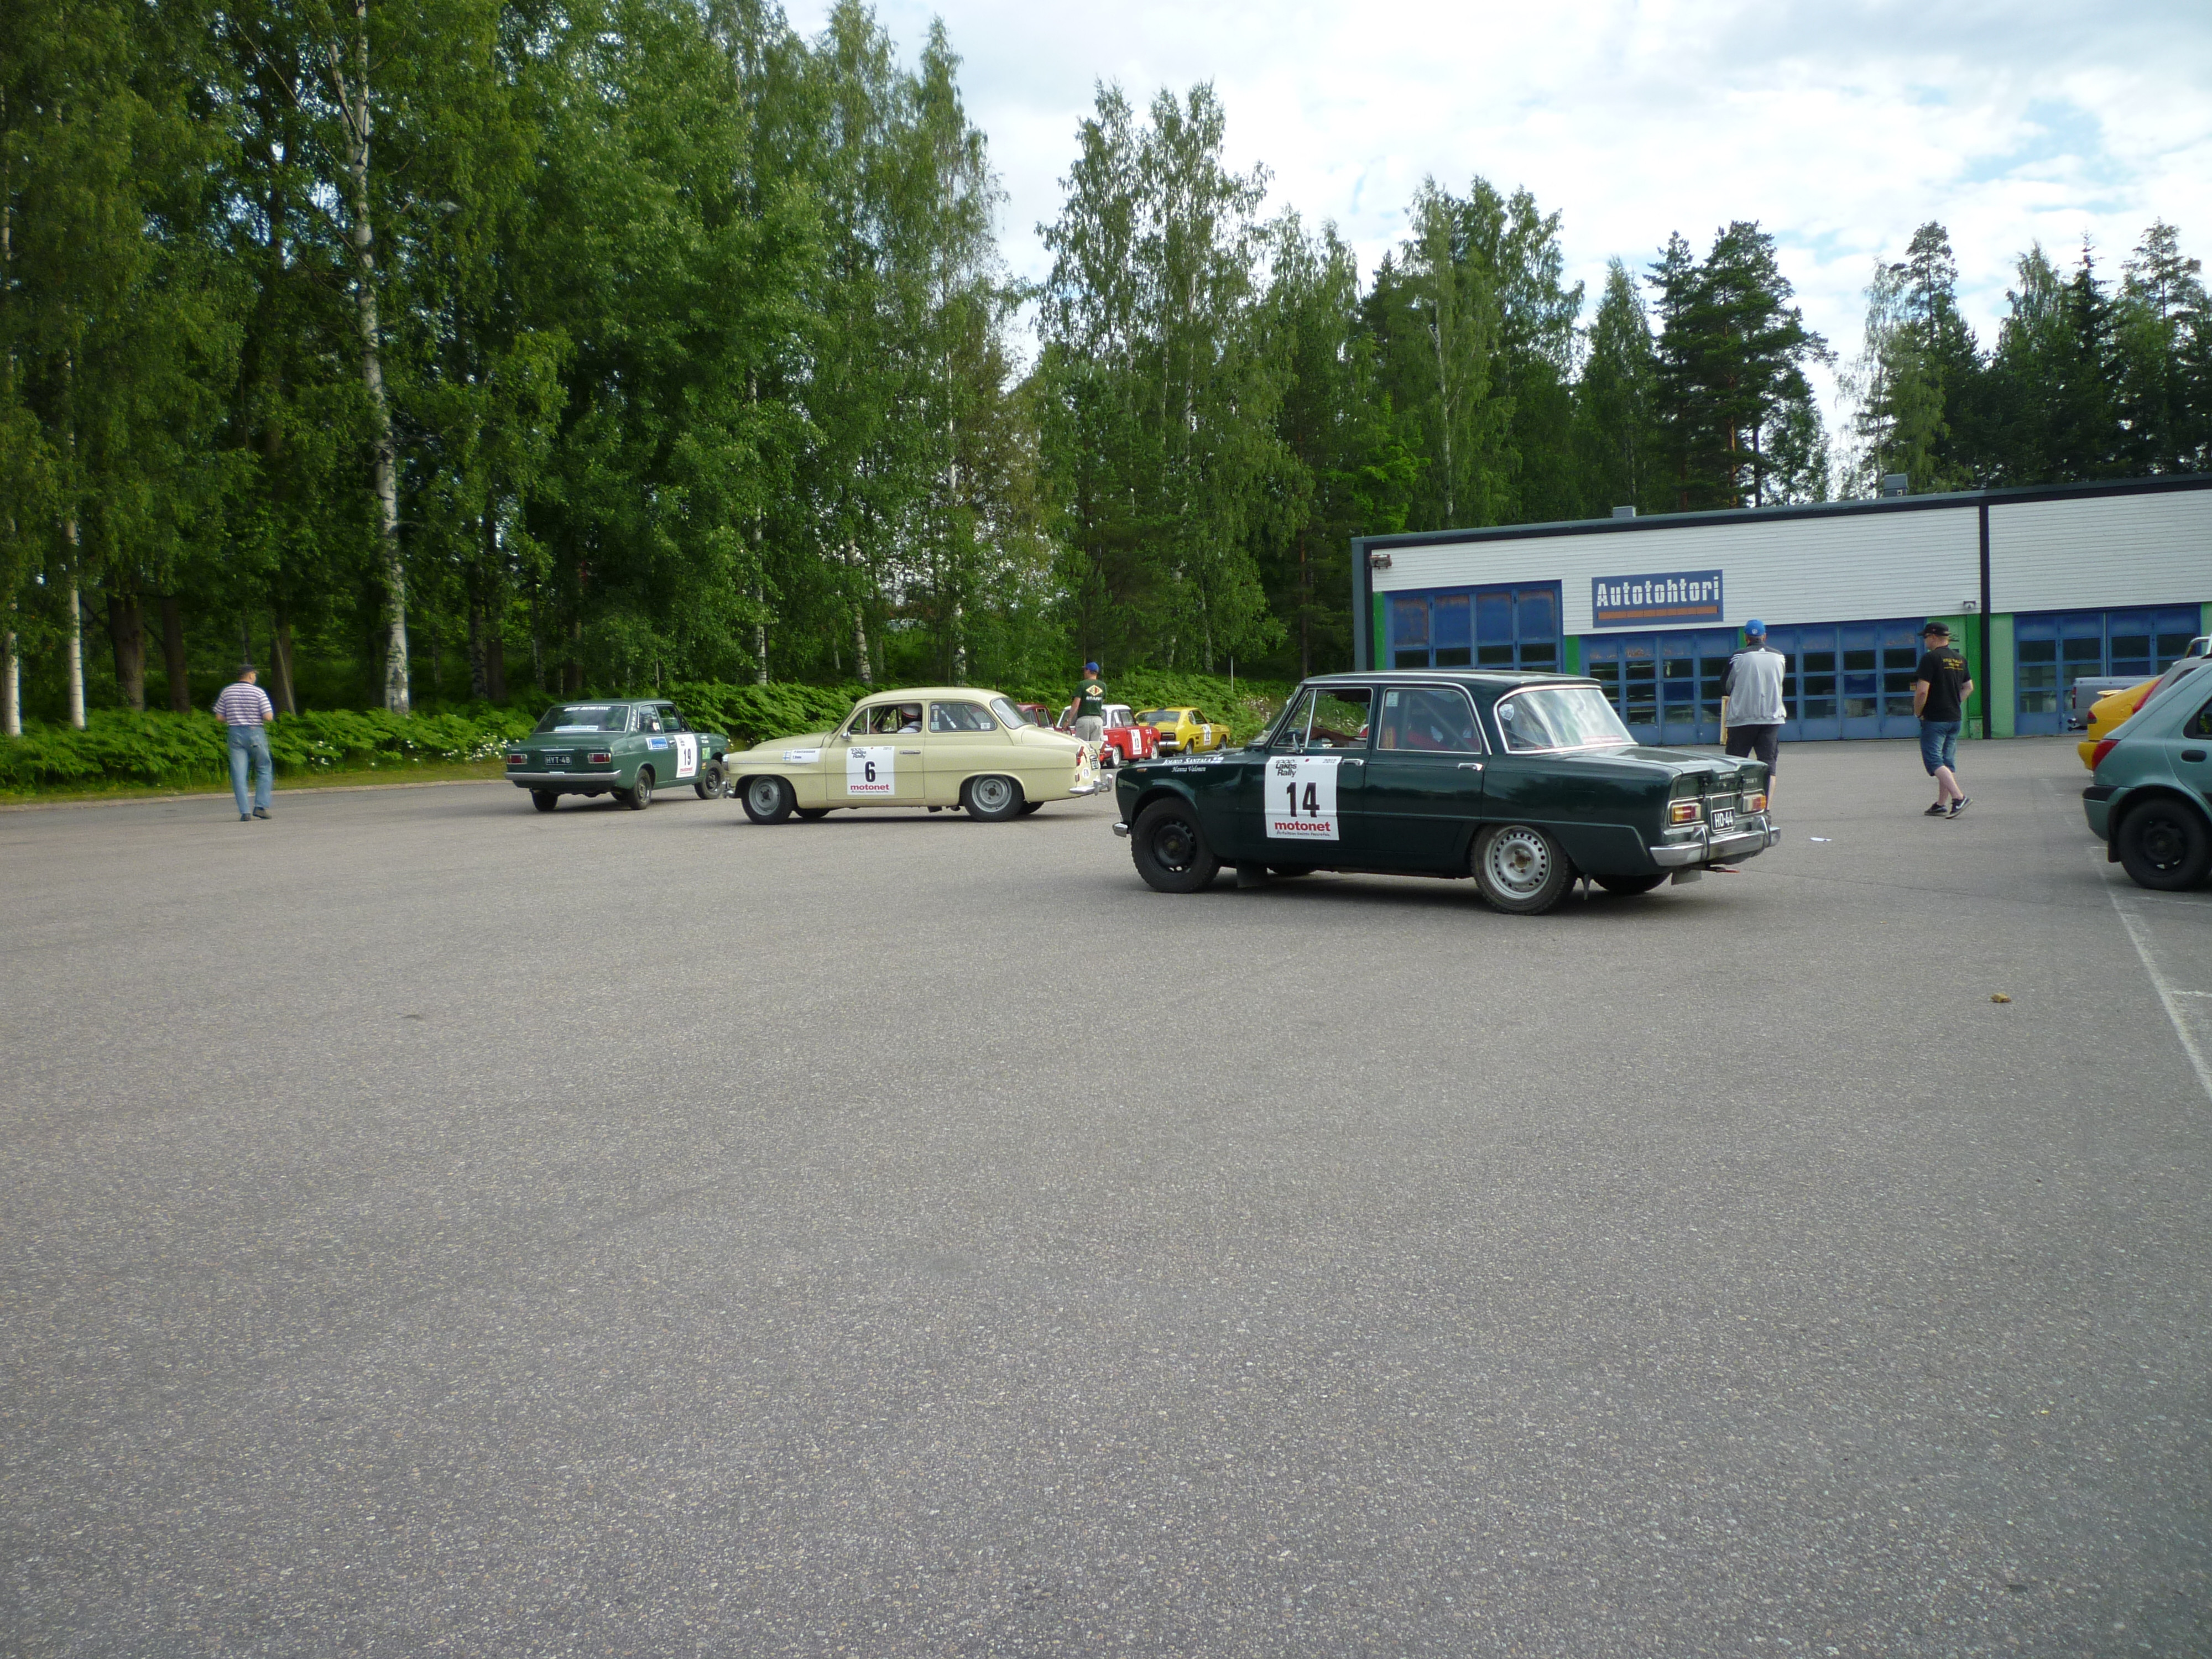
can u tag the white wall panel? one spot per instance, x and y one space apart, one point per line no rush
2102 552
1854 567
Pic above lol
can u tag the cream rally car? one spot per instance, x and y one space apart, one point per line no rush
932 747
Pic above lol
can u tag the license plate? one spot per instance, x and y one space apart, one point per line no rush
557 760
1724 817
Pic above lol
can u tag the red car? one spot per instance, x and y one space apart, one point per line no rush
1125 740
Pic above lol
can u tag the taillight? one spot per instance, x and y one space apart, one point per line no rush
597 757
517 759
2097 755
1682 812
1755 801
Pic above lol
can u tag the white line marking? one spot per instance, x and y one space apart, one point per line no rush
2167 994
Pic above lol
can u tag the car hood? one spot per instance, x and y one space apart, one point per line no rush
774 748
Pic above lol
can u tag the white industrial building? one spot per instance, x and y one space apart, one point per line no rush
2043 587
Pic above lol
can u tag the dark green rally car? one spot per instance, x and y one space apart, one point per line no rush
1524 782
619 747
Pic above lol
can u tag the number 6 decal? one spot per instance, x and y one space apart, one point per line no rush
1301 797
870 770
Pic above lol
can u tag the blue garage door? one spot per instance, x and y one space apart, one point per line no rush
1666 686
2054 648
1841 680
1477 628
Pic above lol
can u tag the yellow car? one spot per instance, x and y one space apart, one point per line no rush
936 746
2107 712
1184 731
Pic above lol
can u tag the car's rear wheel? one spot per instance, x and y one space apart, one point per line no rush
993 799
767 800
1627 886
638 795
545 799
1291 869
1169 848
1520 869
811 813
2165 846
712 784
1030 806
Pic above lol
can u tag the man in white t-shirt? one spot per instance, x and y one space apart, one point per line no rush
1752 708
245 708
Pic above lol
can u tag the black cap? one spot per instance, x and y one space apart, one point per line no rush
1941 629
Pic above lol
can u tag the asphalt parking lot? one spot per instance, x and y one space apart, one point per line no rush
433 1228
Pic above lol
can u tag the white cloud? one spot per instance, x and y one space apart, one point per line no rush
1840 128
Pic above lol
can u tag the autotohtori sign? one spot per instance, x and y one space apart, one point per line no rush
1664 600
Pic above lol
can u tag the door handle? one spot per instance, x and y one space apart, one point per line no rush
1351 760
1469 766
2192 754
909 751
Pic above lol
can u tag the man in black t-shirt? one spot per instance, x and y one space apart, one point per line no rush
1940 686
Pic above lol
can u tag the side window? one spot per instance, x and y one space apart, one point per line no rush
959 717
1428 719
1328 718
672 718
2202 725
858 726
648 720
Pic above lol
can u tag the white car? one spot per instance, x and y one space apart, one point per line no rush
931 746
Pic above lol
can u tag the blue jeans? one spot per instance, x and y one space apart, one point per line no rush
1939 745
251 743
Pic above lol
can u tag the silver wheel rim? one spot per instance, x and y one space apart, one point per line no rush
762 795
1518 861
991 794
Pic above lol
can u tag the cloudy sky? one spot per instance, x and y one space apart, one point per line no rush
1839 127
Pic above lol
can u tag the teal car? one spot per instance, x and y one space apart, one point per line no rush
1525 782
2151 804
627 748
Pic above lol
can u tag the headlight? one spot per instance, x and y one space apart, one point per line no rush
1682 812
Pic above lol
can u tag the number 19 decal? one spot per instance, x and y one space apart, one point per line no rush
1300 801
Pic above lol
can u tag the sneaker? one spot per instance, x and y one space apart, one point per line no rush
260 812
1938 811
1959 805
246 818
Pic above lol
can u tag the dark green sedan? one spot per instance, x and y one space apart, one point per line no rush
620 747
1526 782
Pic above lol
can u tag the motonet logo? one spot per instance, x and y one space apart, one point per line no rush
1317 828
1660 600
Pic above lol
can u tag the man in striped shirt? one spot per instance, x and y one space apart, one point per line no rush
245 708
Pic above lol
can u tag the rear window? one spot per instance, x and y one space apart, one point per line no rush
1560 717
587 717
1156 717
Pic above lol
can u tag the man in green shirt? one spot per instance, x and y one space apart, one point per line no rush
1090 706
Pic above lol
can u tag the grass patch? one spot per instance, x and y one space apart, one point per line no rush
336 777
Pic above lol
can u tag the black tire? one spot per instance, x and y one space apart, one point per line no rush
2165 846
1629 886
1521 870
638 795
992 800
1030 806
545 799
766 800
811 813
711 785
1170 849
1292 870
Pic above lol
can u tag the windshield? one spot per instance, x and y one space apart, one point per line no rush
1156 717
1560 717
587 717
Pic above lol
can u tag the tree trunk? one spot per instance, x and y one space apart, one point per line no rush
126 632
572 672
173 654
11 683
73 641
280 662
494 665
476 676
353 101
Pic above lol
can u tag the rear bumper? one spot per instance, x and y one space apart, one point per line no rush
1732 848
538 780
2097 807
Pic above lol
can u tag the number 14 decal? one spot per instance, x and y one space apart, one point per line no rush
1300 800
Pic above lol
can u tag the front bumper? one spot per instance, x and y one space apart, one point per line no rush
527 780
1732 848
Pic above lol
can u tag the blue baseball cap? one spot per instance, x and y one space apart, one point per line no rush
1090 668
1755 628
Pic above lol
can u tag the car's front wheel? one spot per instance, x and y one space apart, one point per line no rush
1521 870
1627 886
638 795
545 799
766 800
993 799
2165 846
811 813
1169 848
711 784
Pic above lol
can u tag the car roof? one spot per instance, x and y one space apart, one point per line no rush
909 693
1489 679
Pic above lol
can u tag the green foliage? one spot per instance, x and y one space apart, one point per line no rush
122 746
